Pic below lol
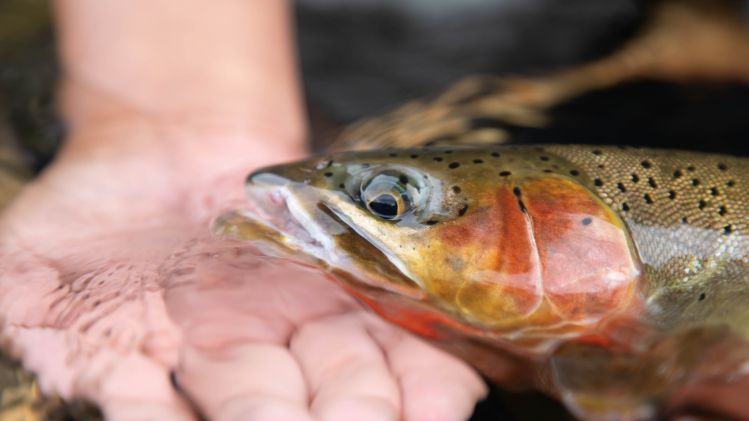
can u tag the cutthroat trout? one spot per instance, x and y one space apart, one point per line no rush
608 276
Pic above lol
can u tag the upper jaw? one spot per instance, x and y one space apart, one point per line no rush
274 204
308 225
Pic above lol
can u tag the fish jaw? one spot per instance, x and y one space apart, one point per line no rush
519 257
273 221
294 220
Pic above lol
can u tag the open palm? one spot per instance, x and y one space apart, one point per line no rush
111 285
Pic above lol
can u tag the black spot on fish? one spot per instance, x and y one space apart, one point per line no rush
587 221
548 171
690 168
596 152
652 183
713 191
702 297
543 158
625 207
454 165
722 166
646 164
701 204
730 183
456 189
574 173
463 210
516 191
505 174
695 182
438 158
448 151
414 156
403 179
678 174
431 222
721 210
684 220
648 199
494 154
621 187
727 229
671 194
328 174
598 182
478 161
635 178
341 186
601 166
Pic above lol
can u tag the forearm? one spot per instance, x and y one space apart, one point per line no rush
210 81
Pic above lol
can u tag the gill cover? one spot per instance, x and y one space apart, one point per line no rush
526 257
539 255
531 257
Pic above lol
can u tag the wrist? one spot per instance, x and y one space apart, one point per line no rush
202 145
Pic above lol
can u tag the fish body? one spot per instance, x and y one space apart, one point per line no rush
605 276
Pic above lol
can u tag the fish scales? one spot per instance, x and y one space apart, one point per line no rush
688 214
608 275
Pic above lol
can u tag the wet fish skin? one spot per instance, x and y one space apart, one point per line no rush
688 216
547 254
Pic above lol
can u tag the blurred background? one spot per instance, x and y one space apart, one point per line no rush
366 57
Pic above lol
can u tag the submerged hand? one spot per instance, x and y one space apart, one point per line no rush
112 287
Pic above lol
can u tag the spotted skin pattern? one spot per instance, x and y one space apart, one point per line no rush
589 263
688 215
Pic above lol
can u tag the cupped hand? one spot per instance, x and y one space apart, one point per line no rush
111 284
112 287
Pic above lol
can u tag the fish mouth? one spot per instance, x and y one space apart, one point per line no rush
293 220
274 220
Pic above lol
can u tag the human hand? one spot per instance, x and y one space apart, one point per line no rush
105 302
112 288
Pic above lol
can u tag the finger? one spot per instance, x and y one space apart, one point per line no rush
137 388
347 372
245 382
102 361
127 410
127 386
434 384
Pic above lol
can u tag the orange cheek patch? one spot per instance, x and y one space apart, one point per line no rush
536 253
505 270
543 253
589 268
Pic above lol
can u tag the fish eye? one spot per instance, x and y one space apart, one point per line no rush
388 195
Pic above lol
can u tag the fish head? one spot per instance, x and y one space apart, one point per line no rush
478 241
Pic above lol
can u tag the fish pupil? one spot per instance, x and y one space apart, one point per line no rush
384 206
